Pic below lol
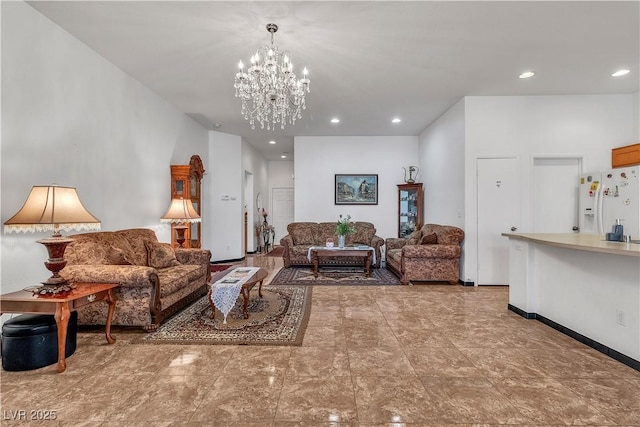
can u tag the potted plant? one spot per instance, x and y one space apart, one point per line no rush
345 226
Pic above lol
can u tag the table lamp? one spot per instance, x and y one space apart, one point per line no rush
180 212
52 208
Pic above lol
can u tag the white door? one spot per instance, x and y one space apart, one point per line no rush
555 195
282 211
498 212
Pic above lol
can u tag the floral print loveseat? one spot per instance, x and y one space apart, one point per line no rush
431 253
303 235
155 280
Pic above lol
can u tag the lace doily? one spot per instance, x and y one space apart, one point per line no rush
225 292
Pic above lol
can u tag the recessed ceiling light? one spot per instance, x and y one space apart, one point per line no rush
335 120
396 120
272 142
284 156
527 74
620 73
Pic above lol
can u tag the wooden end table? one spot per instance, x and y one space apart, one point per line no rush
258 277
318 253
61 306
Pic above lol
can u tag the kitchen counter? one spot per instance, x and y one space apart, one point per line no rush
582 285
582 242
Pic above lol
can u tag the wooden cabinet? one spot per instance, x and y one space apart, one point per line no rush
628 155
186 183
410 208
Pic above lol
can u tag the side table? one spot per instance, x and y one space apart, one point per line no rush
61 306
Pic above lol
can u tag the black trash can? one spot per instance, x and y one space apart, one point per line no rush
30 341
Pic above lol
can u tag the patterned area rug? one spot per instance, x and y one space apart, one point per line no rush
279 318
335 276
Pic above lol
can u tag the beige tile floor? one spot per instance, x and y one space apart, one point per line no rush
386 356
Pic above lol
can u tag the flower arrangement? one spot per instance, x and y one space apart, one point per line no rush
345 226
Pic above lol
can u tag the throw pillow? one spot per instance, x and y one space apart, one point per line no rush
302 233
160 255
117 256
414 238
429 239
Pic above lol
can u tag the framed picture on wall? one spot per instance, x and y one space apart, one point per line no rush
352 189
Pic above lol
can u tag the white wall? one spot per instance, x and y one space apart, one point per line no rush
441 164
636 115
318 159
70 117
226 197
442 147
528 126
281 175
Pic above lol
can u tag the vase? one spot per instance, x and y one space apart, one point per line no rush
341 239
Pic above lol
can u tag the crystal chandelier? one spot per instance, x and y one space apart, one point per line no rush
269 90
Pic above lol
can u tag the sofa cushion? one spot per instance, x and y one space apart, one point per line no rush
447 235
132 241
302 233
86 251
172 279
324 231
116 256
429 239
160 255
394 255
414 238
363 235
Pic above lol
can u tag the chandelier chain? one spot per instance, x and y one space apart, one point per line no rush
269 91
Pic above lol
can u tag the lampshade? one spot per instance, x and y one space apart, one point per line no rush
52 208
181 211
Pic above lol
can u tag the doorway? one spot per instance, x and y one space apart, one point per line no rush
498 201
282 211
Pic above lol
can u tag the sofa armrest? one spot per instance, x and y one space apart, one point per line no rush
377 242
125 275
287 243
395 243
431 251
193 256
286 240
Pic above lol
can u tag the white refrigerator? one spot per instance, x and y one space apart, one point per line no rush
607 196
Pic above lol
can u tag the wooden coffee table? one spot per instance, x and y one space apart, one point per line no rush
318 253
61 306
258 277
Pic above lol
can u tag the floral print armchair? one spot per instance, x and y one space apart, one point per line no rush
429 254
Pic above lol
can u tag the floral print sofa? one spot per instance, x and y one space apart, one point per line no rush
431 253
155 280
303 235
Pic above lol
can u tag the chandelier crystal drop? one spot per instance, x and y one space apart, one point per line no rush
270 91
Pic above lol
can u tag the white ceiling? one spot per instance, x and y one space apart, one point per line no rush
368 61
